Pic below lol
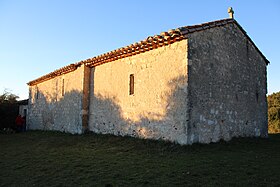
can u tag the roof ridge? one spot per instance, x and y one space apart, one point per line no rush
150 43
193 28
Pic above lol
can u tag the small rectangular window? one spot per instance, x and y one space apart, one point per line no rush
62 88
131 84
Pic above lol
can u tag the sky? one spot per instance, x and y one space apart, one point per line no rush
40 36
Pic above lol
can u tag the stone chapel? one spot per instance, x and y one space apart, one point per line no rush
200 83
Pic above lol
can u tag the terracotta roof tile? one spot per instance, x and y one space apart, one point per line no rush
61 71
150 43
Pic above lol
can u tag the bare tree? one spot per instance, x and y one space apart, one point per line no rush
8 97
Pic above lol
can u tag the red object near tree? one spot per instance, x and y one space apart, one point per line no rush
19 120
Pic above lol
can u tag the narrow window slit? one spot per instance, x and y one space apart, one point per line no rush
131 84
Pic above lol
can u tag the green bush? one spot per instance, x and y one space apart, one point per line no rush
273 102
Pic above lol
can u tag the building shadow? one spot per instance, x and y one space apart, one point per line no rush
52 112
170 122
106 114
64 113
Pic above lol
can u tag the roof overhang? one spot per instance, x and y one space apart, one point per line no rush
150 43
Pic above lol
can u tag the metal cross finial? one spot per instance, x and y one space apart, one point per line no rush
230 12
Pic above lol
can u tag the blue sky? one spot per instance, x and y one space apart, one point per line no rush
39 36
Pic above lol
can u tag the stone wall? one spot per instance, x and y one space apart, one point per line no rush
157 109
227 86
53 108
23 110
208 87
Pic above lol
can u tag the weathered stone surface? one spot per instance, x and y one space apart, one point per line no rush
51 110
157 109
218 92
205 88
227 86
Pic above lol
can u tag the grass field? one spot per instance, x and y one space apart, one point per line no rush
40 158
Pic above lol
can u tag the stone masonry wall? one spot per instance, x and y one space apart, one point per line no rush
227 86
208 87
157 109
49 109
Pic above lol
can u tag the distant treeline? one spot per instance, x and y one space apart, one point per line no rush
273 102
